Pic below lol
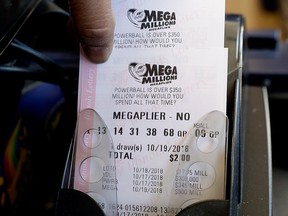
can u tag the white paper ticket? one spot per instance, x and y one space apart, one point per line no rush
152 129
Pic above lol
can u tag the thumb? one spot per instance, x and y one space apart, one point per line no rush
94 24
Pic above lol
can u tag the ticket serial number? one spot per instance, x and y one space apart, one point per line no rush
143 210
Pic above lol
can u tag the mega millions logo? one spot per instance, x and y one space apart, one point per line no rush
151 20
153 74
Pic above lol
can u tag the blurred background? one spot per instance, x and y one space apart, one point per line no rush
261 14
269 18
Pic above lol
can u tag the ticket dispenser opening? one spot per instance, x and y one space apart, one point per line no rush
72 202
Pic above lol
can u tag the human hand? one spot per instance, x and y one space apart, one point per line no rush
94 23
